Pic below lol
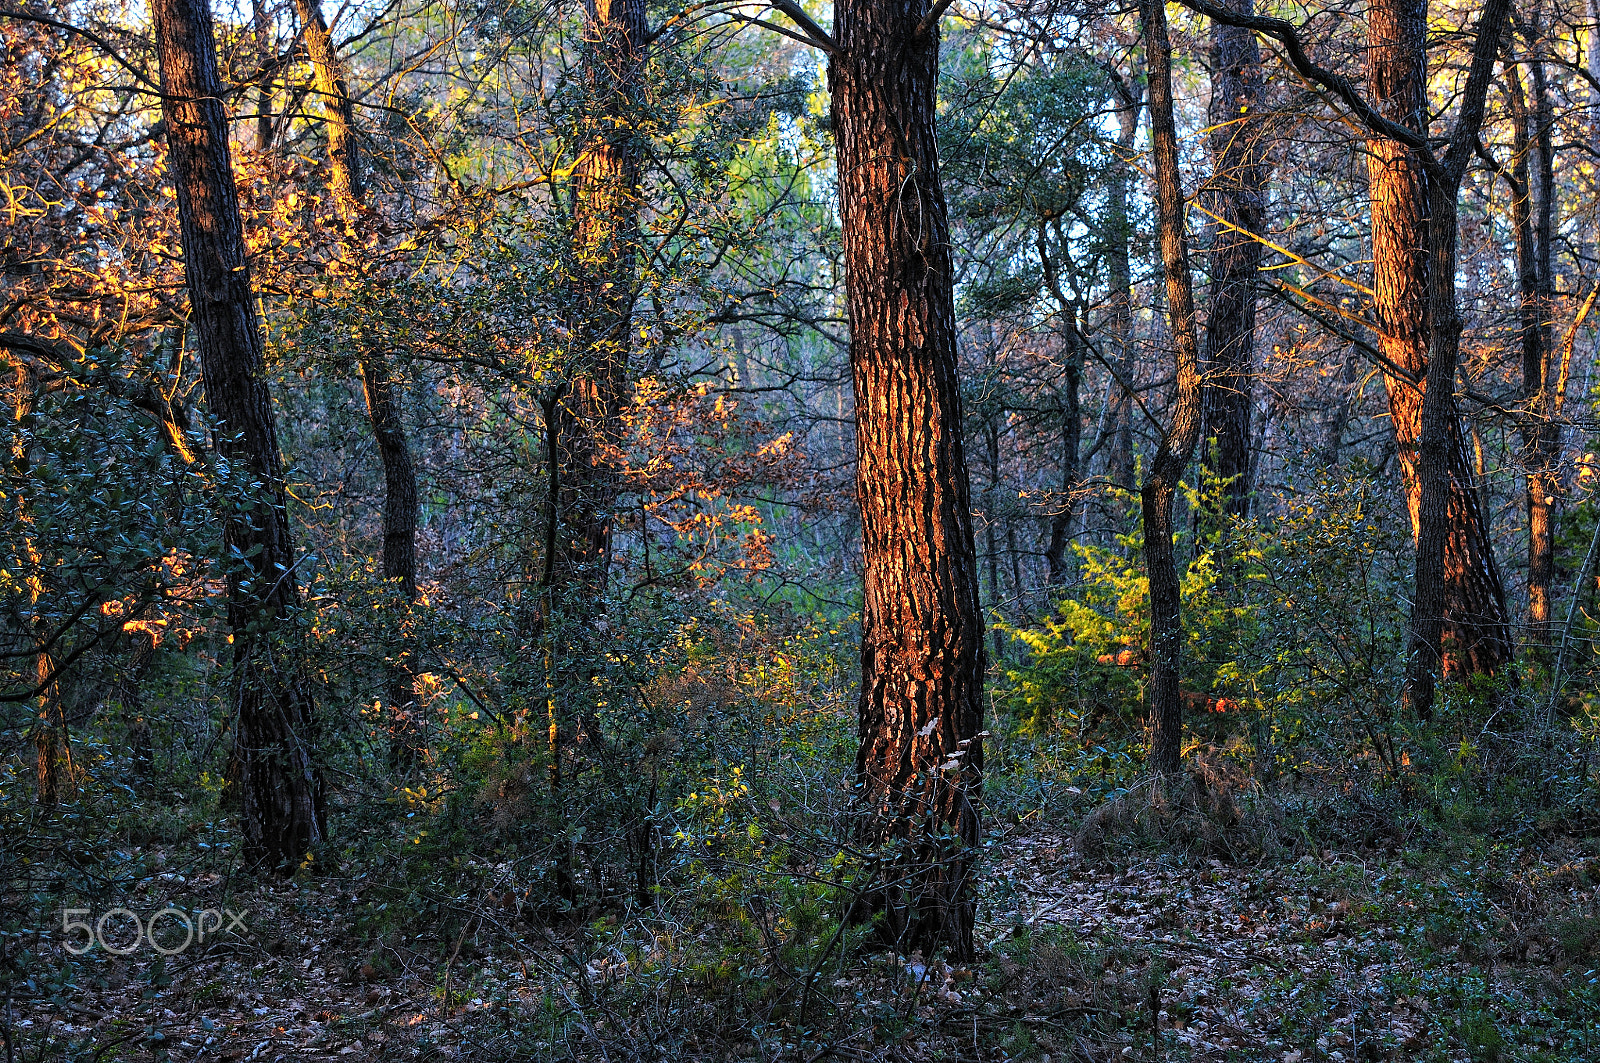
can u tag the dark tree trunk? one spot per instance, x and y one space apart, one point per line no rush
377 380
1178 443
1533 222
920 765
1055 552
1237 198
1119 282
1468 602
279 779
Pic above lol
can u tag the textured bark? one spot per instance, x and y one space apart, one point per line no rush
338 112
1178 442
1458 617
1469 598
279 780
603 277
919 767
399 559
1533 223
1238 197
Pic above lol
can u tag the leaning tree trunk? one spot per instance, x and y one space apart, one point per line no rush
919 768
281 786
1178 443
1237 200
1471 607
377 379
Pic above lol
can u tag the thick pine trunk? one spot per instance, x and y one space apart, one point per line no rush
399 560
1178 442
1238 198
1469 603
280 783
920 765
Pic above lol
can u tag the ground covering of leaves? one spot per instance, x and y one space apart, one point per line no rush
1389 954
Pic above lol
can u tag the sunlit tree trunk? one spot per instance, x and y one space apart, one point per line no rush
1183 432
400 501
279 779
1467 603
601 287
1238 199
919 767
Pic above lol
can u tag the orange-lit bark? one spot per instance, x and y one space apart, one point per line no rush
1471 597
920 763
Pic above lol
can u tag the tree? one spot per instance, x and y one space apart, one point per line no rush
1178 441
1414 236
399 558
1414 211
1533 226
284 810
1237 202
920 763
582 412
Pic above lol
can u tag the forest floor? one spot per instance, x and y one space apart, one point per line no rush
1465 953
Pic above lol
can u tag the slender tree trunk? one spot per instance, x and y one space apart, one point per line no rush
1178 443
919 768
1055 552
1533 223
1469 600
280 782
377 379
264 43
1238 198
1119 283
991 517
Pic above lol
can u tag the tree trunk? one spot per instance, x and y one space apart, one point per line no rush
1470 600
1055 551
377 380
1533 222
602 280
1238 198
920 764
281 786
1061 571
1178 443
1119 282
338 112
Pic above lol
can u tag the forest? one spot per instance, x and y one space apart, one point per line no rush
642 531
